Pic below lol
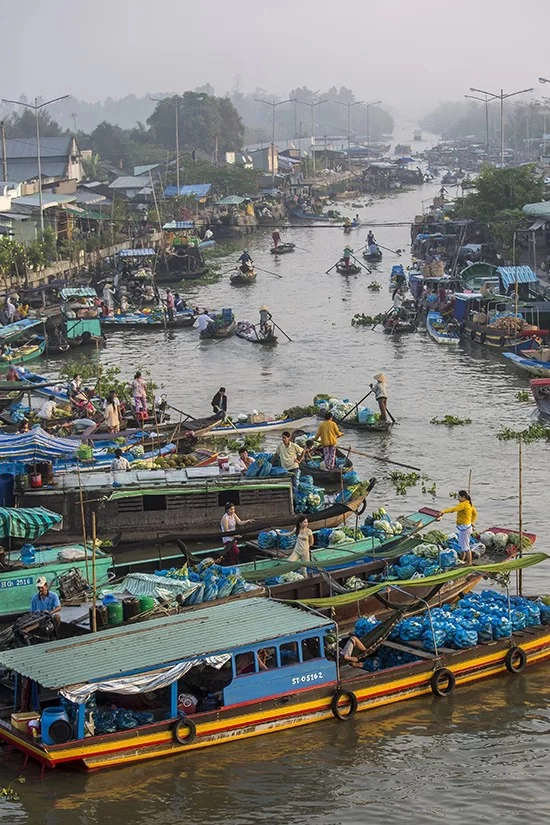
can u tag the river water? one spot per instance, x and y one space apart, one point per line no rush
474 755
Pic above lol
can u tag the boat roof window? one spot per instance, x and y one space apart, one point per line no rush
275 655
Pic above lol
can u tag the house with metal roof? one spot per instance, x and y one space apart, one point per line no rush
60 159
131 186
199 191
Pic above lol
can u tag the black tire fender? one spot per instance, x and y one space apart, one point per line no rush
502 341
473 334
442 681
483 337
184 731
360 510
335 704
515 660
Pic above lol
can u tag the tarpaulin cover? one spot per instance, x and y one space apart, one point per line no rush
26 523
34 446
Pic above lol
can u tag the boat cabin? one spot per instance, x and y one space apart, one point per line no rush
148 689
79 310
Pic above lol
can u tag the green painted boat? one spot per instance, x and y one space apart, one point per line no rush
26 352
18 580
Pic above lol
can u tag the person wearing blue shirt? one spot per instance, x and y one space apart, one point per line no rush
45 601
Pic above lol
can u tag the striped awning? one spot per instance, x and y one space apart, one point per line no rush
35 445
26 523
516 275
136 253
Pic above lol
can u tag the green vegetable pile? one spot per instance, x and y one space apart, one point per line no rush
362 320
451 421
301 412
434 537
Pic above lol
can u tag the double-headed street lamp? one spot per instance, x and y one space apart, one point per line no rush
312 106
486 100
273 107
36 109
349 105
502 97
368 105
175 104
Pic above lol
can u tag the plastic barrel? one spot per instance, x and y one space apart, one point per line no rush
130 608
114 611
101 616
146 603
6 490
48 718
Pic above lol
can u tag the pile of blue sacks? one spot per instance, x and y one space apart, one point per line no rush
284 539
411 565
215 581
478 617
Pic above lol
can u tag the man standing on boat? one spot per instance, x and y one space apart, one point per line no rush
46 601
170 304
219 402
276 238
289 455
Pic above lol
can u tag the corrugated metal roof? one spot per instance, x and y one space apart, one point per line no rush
159 642
516 275
232 200
179 225
50 147
78 292
48 199
142 170
23 170
538 210
127 182
197 190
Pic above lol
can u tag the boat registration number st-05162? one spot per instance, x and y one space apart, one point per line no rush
16 582
310 677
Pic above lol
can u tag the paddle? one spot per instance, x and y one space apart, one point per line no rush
391 416
281 330
355 407
181 412
383 319
361 264
276 274
386 460
393 251
332 267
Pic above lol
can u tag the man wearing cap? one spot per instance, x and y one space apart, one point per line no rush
45 601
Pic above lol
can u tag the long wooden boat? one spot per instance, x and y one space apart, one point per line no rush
283 248
276 425
267 664
240 278
26 352
249 332
526 361
372 258
540 387
301 215
439 330
400 320
151 320
349 269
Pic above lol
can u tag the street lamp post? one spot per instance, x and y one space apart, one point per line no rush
349 105
36 109
273 107
486 100
175 104
502 97
368 105
311 106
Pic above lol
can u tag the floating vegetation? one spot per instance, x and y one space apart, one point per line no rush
523 395
9 793
534 432
403 481
374 286
451 421
362 320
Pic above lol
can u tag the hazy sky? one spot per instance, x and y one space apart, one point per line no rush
406 53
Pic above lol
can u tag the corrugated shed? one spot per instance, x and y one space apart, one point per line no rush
197 190
154 644
50 147
127 182
516 275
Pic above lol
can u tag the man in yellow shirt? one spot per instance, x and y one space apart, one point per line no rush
289 455
328 434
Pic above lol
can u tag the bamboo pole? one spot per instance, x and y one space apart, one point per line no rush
83 520
470 482
520 497
94 580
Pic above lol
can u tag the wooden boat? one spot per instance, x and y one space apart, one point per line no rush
471 312
283 248
242 278
353 424
79 311
400 319
440 330
251 332
26 352
267 664
373 258
181 264
397 277
244 427
540 387
222 329
531 361
300 215
349 269
156 319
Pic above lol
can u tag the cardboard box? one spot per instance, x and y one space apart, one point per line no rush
257 418
21 720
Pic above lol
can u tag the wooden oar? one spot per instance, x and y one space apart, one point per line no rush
355 407
332 267
276 274
281 330
386 460
361 264
393 251
391 416
383 319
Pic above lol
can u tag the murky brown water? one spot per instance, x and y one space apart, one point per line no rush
465 759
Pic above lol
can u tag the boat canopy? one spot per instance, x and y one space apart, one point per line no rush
26 522
158 652
18 328
179 225
35 445
78 292
538 210
137 253
516 275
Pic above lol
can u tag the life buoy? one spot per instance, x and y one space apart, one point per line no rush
483 337
335 704
473 335
184 731
502 341
515 660
443 681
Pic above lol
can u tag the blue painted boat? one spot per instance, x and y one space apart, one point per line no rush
440 330
534 366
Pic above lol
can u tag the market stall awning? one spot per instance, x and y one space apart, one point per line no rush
516 275
137 253
179 225
35 445
78 292
232 200
26 522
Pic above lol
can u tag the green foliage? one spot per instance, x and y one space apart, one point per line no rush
523 395
105 380
203 120
362 320
252 442
451 421
22 124
300 412
9 793
374 286
534 432
403 481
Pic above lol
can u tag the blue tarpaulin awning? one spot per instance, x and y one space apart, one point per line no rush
36 445
137 253
26 522
191 190
516 275
179 225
